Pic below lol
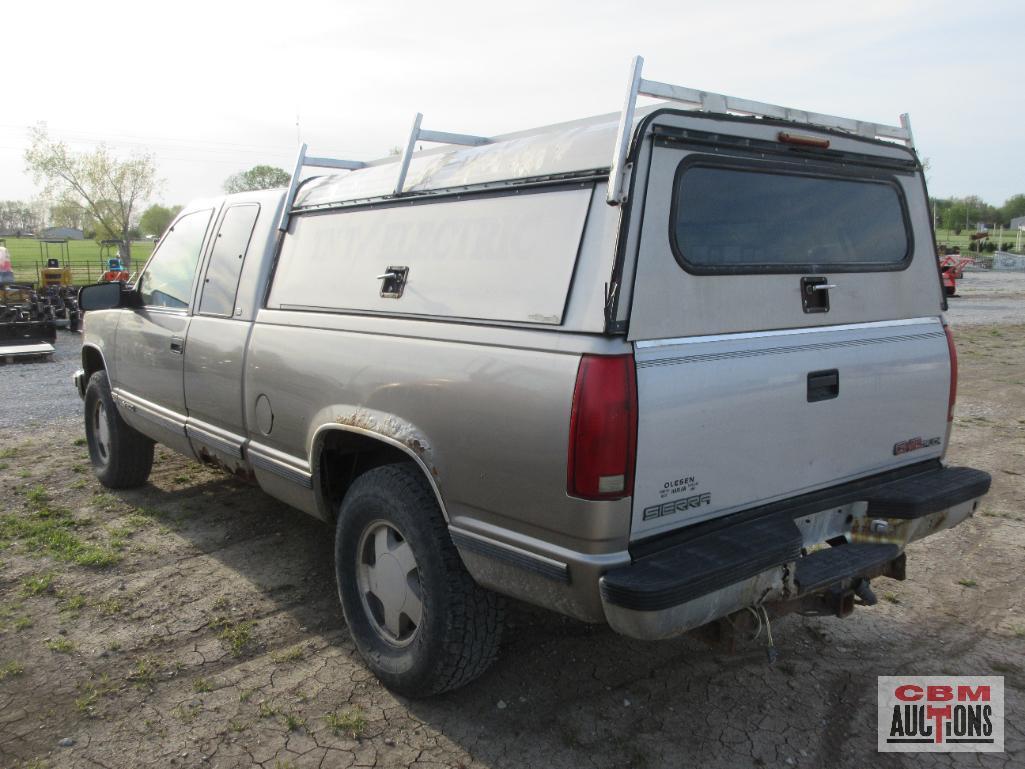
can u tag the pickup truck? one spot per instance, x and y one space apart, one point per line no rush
669 369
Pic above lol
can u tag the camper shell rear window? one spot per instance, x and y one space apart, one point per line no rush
736 217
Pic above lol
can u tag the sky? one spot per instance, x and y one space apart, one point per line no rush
216 87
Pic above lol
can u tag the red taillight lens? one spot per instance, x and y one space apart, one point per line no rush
603 428
953 374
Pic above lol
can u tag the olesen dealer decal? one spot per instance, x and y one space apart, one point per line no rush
941 714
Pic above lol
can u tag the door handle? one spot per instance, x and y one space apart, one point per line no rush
177 345
823 385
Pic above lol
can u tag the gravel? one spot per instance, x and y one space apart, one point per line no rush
40 391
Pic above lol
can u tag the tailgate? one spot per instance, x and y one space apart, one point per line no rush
733 421
787 330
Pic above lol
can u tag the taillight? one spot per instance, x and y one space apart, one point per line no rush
603 428
953 373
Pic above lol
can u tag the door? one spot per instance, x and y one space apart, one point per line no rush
787 332
216 343
150 341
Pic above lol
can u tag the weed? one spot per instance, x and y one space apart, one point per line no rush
11 669
1003 667
145 672
110 606
246 694
967 582
22 623
181 479
36 584
294 723
351 721
267 710
186 713
72 603
80 441
24 474
237 635
84 704
288 655
37 496
81 483
891 598
1019 631
9 453
4 465
202 685
237 726
61 645
46 530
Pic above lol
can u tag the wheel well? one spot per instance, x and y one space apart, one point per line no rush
343 456
92 361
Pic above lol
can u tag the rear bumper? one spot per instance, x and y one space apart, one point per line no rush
765 559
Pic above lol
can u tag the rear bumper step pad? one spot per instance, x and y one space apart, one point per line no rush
827 567
730 554
921 495
703 565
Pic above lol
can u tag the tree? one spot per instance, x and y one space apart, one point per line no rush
257 178
106 188
67 215
156 219
1012 208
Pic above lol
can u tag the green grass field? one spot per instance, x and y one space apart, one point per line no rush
86 260
948 238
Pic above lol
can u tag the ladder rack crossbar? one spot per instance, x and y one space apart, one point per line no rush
438 137
302 160
707 101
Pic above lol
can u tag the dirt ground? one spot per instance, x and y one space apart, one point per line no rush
194 623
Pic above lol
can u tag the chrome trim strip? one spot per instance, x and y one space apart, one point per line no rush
715 356
538 564
169 420
645 344
261 459
228 445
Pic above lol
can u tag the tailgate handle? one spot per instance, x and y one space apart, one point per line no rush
823 385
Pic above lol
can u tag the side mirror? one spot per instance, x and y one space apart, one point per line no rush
105 296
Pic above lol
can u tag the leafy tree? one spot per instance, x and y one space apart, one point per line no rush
156 219
257 178
67 214
104 186
1012 208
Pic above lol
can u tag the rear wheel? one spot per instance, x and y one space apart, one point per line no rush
419 620
121 456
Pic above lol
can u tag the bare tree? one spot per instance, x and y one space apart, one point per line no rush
107 188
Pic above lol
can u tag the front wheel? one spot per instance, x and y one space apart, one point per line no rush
121 456
419 620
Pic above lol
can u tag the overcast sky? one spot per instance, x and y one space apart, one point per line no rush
215 87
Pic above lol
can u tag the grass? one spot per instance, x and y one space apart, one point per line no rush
967 582
293 654
202 685
351 721
61 645
10 670
267 710
37 584
45 529
84 257
294 723
186 713
237 635
145 671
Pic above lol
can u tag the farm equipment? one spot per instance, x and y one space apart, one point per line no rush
116 272
57 291
27 324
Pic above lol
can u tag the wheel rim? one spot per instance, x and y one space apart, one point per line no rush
101 430
389 583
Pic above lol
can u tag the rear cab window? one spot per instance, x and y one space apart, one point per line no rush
742 217
220 284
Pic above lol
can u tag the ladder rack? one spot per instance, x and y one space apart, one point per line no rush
301 161
440 137
716 102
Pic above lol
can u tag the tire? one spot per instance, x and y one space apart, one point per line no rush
121 456
455 635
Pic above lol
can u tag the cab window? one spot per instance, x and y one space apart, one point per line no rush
226 259
167 281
